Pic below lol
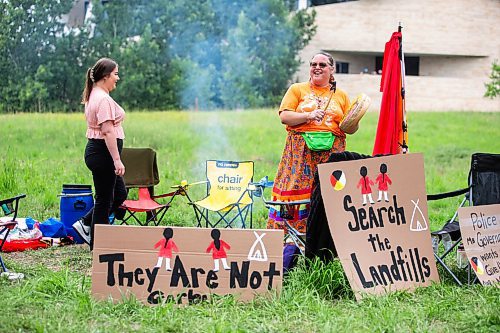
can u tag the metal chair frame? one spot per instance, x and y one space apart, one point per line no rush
10 207
297 237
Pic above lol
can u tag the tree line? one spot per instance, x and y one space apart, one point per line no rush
172 54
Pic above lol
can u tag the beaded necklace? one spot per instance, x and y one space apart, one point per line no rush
316 96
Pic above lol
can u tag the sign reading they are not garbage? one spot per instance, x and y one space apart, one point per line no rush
185 265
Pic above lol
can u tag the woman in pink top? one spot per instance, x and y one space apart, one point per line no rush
105 141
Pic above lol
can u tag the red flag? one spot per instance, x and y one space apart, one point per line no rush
391 130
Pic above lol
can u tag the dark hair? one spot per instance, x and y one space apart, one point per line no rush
383 170
101 68
363 171
216 237
331 62
167 233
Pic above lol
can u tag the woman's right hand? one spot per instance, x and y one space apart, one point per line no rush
119 168
316 115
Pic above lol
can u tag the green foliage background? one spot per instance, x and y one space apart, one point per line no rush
493 87
172 53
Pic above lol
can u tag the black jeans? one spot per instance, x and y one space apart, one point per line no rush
109 188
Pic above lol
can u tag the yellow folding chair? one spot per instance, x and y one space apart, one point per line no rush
228 200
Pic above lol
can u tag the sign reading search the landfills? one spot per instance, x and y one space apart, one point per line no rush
377 214
480 229
185 265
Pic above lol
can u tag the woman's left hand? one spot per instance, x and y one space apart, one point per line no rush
316 115
119 168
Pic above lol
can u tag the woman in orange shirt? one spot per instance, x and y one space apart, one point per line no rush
313 106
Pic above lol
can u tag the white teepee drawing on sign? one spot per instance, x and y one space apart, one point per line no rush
258 250
418 224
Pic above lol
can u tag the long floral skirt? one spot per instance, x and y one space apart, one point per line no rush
294 180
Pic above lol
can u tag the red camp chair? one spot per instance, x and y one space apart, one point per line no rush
146 204
9 208
141 172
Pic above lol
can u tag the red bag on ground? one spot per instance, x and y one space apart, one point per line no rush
24 244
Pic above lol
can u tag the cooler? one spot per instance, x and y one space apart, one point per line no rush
76 201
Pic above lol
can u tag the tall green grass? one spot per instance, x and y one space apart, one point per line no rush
41 152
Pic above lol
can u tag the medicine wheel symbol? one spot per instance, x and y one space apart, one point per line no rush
416 224
258 250
338 180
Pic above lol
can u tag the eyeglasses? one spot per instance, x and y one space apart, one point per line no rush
320 64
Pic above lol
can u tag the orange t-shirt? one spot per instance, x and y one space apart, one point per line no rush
100 108
300 97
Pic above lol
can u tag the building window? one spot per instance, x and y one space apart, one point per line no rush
341 67
412 65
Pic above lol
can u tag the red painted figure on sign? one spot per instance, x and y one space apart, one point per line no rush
218 247
166 245
364 183
383 182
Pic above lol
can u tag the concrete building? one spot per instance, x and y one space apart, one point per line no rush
449 46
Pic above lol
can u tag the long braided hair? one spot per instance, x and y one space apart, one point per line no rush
216 237
168 233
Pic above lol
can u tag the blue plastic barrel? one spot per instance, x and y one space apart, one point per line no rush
76 201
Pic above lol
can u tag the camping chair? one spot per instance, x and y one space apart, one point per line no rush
228 200
10 208
483 189
141 172
283 211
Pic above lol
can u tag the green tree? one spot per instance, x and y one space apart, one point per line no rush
146 81
172 53
493 87
262 53
30 30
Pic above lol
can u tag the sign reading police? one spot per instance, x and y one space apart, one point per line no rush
185 265
377 214
480 229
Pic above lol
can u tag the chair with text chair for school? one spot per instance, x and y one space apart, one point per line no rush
141 173
483 189
10 208
228 201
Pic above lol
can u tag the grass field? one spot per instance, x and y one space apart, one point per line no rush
41 152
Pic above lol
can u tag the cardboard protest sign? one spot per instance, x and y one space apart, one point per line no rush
480 229
185 265
377 214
